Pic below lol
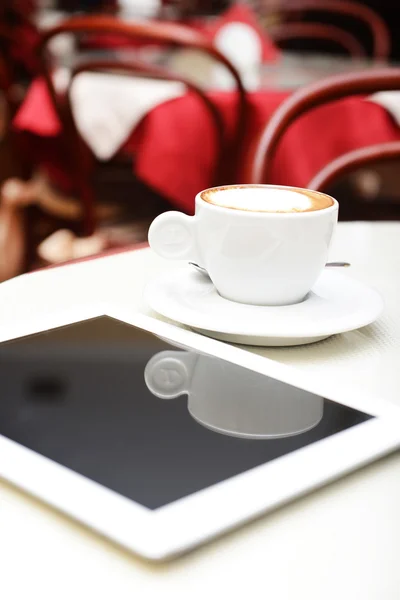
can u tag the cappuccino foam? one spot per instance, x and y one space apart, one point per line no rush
267 199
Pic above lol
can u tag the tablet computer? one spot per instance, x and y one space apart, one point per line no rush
160 438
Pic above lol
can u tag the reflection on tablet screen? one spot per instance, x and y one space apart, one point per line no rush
145 419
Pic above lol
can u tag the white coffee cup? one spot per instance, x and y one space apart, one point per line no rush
261 244
230 399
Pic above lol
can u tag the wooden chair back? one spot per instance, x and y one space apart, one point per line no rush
135 67
312 96
381 42
164 34
285 32
349 162
369 177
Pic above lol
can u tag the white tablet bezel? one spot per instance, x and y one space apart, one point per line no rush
177 527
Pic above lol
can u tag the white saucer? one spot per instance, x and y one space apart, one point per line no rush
336 304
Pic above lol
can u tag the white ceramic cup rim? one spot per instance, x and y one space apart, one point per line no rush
254 214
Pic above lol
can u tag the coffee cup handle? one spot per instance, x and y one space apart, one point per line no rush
168 374
172 235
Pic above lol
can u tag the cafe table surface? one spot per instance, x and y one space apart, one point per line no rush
342 541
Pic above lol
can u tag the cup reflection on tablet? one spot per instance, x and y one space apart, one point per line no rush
230 399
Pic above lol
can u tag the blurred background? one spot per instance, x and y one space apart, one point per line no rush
113 111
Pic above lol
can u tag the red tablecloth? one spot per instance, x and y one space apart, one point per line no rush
174 146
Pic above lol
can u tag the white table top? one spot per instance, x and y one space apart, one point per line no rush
339 542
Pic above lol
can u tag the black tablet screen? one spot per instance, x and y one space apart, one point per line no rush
146 419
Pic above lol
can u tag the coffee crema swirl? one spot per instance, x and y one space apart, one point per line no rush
267 199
